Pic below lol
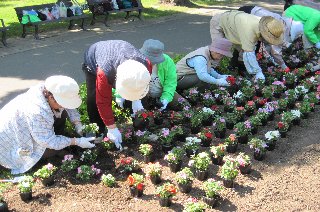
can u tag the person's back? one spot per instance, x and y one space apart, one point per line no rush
301 13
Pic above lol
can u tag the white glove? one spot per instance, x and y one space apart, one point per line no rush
164 104
79 128
284 66
221 82
84 142
224 76
115 136
260 75
137 106
318 45
120 101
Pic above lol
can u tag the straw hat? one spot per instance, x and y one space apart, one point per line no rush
133 80
65 91
271 30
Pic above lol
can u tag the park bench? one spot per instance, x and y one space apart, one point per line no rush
19 12
105 7
4 29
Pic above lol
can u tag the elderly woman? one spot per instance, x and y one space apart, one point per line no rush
195 69
114 64
310 18
293 30
34 121
244 31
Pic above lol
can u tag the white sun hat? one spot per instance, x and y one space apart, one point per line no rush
65 91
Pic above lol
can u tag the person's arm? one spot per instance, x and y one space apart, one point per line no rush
311 27
170 79
104 98
199 63
276 52
251 63
41 129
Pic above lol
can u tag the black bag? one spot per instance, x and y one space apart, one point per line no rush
98 9
69 13
108 6
41 16
120 4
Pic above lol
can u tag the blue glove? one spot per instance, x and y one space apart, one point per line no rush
164 104
318 45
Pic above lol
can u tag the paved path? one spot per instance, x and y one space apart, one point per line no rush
28 61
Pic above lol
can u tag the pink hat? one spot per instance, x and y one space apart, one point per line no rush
221 46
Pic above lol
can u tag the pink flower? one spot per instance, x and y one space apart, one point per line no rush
79 170
49 166
67 157
242 162
140 133
165 132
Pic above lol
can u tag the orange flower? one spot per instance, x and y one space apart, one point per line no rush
171 188
131 180
232 137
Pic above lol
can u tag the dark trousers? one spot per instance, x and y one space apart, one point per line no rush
60 123
92 109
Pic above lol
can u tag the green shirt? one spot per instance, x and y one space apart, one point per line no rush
309 17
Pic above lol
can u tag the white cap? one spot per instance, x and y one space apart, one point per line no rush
132 82
65 91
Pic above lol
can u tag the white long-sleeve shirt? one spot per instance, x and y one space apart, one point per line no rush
26 124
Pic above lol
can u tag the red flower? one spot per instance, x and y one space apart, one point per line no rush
240 108
250 103
280 125
123 161
317 72
144 115
128 160
255 98
259 56
214 107
172 189
231 80
140 186
208 135
150 114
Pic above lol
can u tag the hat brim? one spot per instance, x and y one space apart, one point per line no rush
153 60
129 94
266 34
225 53
70 103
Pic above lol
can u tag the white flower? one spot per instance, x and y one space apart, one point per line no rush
207 110
270 135
25 184
193 140
300 90
296 113
238 95
203 155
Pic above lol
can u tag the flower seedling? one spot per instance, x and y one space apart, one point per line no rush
69 164
211 188
200 162
167 190
145 149
45 172
153 169
108 180
184 176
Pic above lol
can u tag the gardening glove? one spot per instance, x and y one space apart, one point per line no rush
137 106
78 127
115 136
120 101
260 75
318 45
84 142
221 82
224 76
164 104
98 139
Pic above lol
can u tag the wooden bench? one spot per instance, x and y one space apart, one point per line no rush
4 29
19 12
93 4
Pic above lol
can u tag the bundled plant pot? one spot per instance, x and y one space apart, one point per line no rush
205 143
296 121
165 202
228 183
175 167
185 188
26 196
201 175
264 122
207 122
211 201
271 145
181 138
232 148
220 134
245 169
304 115
229 125
140 124
48 181
195 129
158 120
217 160
259 155
148 158
190 152
254 130
271 117
259 93
155 179
290 105
283 134
166 147
276 95
243 139
135 192
290 85
228 109
4 207
249 112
